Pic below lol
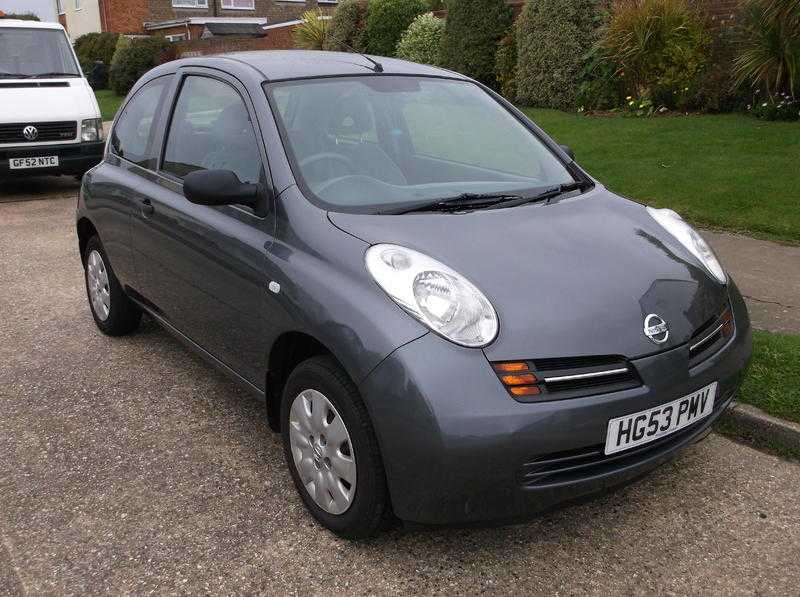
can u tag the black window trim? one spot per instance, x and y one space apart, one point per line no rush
154 128
176 183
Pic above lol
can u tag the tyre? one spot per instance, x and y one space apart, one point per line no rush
331 450
114 313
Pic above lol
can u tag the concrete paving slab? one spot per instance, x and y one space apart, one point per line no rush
767 273
129 466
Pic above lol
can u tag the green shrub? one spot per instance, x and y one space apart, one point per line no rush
433 5
505 68
552 39
122 43
599 87
473 31
768 55
386 22
661 48
313 31
93 47
133 60
347 27
422 41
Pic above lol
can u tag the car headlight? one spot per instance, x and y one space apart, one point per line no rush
92 129
437 296
689 238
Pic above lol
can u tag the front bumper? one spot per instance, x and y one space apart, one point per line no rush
74 158
458 449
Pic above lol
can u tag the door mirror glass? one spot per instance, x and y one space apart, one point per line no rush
218 187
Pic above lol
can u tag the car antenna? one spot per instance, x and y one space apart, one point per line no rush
378 67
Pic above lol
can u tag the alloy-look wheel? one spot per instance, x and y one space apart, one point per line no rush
331 450
114 313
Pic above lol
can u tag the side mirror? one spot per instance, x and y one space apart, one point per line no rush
568 150
218 187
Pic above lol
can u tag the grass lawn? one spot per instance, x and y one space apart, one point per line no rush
726 171
109 103
773 383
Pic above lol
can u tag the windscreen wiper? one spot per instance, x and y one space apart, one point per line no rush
546 195
7 75
53 74
460 202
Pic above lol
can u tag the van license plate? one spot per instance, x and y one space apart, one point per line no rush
649 425
48 161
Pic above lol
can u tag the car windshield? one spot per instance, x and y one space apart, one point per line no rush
33 52
373 143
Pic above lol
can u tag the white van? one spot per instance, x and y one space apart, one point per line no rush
49 119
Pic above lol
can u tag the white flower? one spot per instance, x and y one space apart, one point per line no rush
764 105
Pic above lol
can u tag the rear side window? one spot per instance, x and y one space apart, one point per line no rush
211 130
131 136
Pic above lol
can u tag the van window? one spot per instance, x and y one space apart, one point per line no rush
35 53
211 130
131 136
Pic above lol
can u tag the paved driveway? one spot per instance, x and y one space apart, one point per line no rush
128 465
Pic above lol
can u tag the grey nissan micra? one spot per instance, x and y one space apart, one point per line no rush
450 321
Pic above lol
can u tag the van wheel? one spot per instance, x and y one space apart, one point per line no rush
114 313
331 450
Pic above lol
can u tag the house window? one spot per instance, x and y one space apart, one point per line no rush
239 4
176 37
59 7
78 5
189 3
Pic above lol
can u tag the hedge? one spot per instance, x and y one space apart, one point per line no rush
347 27
553 37
133 60
422 41
473 31
386 22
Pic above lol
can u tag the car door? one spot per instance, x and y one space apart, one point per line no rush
204 266
127 174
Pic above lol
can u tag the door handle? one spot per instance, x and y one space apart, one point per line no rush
147 208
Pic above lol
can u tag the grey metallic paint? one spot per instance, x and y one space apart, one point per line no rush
572 278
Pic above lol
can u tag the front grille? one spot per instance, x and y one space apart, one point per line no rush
47 131
569 377
583 463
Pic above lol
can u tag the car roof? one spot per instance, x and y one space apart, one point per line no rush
29 24
279 65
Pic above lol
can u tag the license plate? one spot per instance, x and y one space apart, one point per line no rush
649 425
48 161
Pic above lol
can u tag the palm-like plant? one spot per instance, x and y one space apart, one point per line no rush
769 53
313 31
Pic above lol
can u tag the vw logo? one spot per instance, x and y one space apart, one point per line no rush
30 133
656 328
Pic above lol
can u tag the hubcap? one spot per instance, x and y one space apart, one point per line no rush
322 451
97 282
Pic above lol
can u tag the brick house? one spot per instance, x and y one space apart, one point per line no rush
189 19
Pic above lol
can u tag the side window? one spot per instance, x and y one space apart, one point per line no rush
211 130
131 136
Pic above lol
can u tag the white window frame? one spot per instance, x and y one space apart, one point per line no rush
78 5
229 5
189 3
176 37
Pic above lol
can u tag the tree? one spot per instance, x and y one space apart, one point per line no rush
472 33
553 37
386 22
